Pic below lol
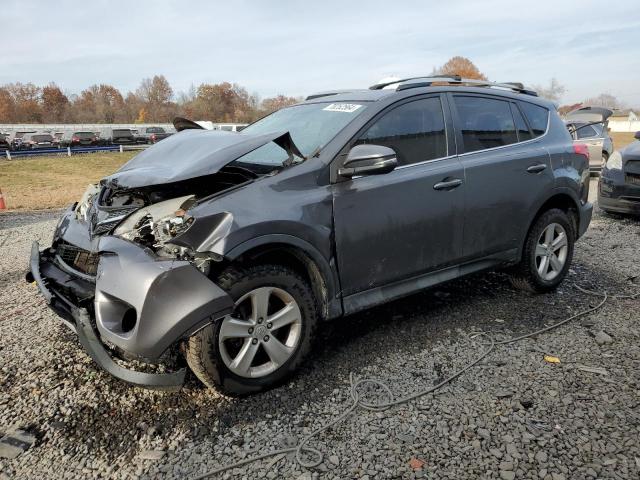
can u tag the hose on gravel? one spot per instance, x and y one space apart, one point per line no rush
357 401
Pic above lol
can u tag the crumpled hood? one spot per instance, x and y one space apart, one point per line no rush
191 154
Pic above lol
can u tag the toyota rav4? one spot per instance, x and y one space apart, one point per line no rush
228 250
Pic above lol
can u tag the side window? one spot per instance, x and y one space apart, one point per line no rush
484 122
538 117
523 130
586 132
415 130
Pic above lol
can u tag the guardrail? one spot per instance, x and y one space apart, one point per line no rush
71 151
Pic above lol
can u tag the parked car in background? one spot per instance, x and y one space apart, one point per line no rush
37 141
372 194
137 136
153 135
116 136
57 139
79 139
588 126
5 142
619 185
16 139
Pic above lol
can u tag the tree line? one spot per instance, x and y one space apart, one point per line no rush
153 101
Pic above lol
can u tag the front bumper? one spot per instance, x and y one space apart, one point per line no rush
137 302
617 195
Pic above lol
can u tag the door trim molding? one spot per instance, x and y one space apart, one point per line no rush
376 296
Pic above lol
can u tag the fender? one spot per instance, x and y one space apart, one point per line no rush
557 190
327 269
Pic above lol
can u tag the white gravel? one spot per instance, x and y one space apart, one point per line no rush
513 416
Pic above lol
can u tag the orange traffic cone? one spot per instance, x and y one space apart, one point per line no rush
3 206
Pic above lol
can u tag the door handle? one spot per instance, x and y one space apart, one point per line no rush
536 168
448 185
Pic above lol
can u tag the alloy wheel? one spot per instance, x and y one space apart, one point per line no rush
261 334
551 251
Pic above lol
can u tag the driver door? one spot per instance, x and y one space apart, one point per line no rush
407 222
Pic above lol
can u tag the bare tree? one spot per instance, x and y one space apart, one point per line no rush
604 100
554 91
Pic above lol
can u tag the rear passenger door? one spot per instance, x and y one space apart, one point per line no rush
398 225
506 170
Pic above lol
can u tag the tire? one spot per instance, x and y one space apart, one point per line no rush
530 274
211 355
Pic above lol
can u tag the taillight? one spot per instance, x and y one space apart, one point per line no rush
153 137
581 149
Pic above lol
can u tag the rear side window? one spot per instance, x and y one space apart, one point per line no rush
586 132
538 117
523 130
484 123
414 130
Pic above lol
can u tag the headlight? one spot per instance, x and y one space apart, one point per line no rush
158 223
82 208
615 161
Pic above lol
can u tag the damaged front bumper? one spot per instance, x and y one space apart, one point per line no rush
138 302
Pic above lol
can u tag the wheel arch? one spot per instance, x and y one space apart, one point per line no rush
300 256
561 199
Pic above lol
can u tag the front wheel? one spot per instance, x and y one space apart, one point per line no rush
264 339
547 253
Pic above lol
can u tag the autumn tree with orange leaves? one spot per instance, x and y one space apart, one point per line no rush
461 66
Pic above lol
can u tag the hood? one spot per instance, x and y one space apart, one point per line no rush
631 151
190 154
589 115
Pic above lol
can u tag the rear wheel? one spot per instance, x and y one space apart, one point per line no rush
547 253
264 339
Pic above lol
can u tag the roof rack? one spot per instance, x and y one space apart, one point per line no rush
417 82
327 93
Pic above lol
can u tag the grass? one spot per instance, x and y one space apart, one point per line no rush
621 139
54 181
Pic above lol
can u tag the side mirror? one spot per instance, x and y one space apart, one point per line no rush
368 160
637 136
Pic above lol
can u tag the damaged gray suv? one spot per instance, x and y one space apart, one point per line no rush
225 251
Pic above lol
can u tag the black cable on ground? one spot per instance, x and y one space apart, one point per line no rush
301 448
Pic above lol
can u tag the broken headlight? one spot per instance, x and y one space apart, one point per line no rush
157 224
84 204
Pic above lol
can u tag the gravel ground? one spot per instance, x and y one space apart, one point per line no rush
512 416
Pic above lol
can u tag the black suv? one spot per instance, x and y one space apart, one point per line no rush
228 249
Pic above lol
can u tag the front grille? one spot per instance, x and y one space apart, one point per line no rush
105 219
78 258
632 178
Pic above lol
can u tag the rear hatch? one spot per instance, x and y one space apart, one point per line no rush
589 115
42 141
85 138
122 136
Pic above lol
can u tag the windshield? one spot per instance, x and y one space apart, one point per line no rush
155 130
311 127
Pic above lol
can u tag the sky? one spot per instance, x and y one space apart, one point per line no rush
300 47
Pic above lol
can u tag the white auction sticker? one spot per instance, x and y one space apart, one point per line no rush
342 107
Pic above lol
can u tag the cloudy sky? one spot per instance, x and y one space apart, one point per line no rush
297 47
